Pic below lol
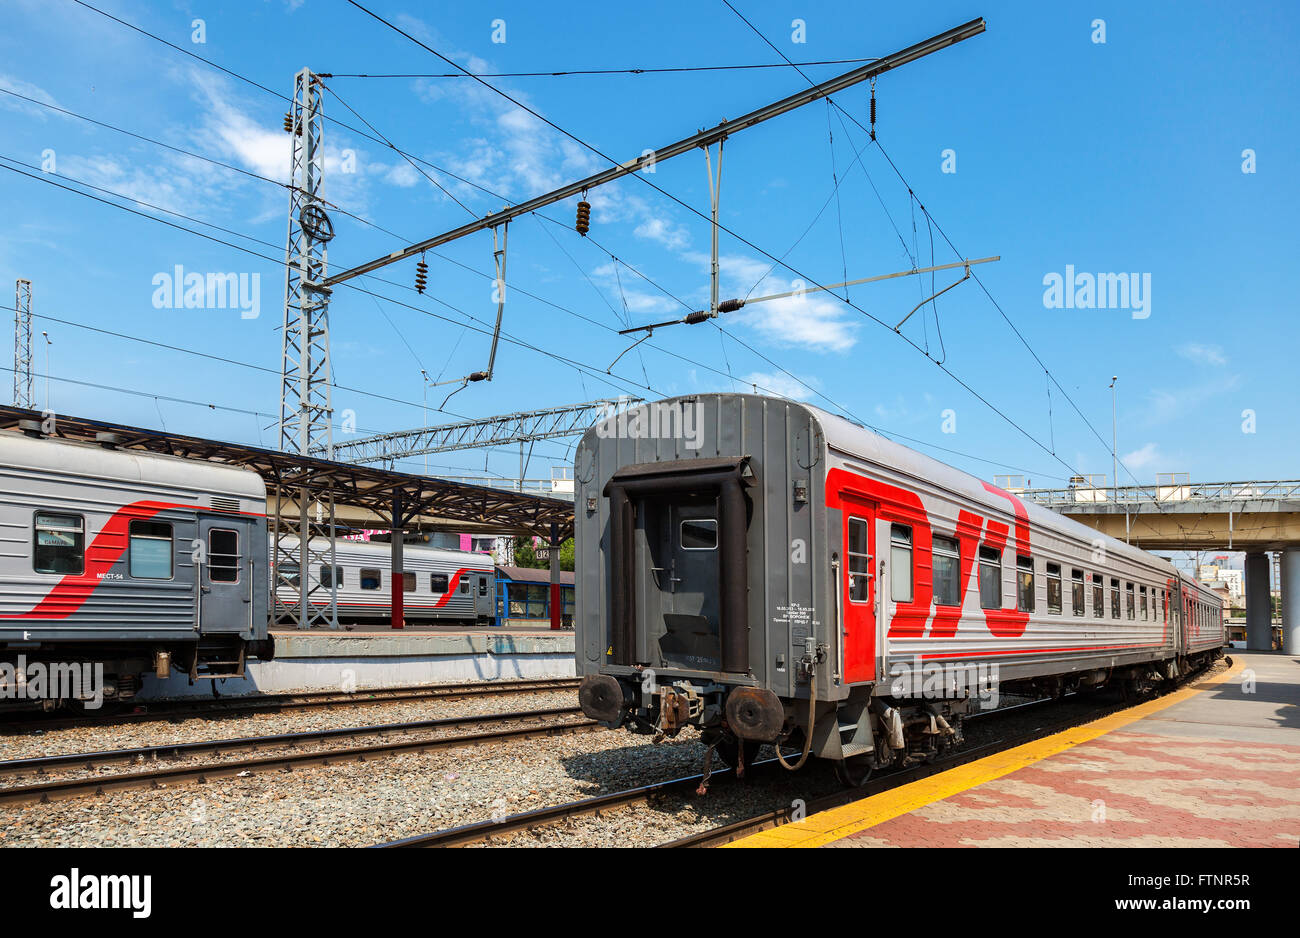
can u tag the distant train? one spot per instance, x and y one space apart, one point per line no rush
141 562
770 573
439 586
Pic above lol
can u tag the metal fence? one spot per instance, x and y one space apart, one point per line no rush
1174 487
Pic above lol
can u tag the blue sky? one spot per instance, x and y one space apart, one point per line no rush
1122 156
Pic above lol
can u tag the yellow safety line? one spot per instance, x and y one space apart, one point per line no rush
837 823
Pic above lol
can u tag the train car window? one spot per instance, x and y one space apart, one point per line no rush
990 578
1054 589
408 582
1114 598
1130 605
1143 596
947 571
1098 596
223 555
1025 584
438 582
482 586
464 585
328 579
59 544
1077 592
286 575
371 578
700 534
149 555
900 563
859 569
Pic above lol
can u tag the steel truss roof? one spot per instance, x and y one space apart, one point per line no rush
363 487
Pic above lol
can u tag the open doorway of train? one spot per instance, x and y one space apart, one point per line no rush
678 575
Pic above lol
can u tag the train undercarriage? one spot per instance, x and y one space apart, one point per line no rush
868 731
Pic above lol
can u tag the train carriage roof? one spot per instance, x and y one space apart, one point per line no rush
95 462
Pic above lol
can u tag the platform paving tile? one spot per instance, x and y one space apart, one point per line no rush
1123 789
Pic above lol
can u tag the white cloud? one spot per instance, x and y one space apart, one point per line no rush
18 86
673 237
1142 458
780 383
809 321
1203 354
401 174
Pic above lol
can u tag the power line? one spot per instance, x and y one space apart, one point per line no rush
643 178
663 70
943 234
579 366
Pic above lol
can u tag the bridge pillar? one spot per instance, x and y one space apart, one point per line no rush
1291 601
1259 604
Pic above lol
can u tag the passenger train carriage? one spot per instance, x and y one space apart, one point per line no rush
135 560
143 562
438 585
766 571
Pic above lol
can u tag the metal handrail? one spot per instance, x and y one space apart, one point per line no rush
1194 491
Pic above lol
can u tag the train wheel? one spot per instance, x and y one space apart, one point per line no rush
729 750
853 772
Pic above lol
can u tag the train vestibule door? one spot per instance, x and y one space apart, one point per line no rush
857 592
484 601
225 574
682 581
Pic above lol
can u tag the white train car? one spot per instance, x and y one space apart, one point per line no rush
438 586
135 561
766 571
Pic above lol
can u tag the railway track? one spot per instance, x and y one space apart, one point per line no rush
488 832
539 723
276 703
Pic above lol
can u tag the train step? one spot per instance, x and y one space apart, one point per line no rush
212 669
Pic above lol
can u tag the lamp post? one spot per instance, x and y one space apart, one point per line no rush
1114 436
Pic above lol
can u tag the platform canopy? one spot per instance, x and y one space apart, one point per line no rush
363 495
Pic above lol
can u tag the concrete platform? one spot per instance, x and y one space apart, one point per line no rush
1211 765
327 660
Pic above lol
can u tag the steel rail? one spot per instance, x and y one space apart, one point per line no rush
274 703
487 831
71 788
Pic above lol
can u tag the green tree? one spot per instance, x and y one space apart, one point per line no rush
526 556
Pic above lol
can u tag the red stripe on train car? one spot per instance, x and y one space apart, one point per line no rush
71 592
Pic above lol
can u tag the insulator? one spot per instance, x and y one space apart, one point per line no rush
584 218
421 276
288 123
873 112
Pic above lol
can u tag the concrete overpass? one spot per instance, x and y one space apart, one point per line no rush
1176 514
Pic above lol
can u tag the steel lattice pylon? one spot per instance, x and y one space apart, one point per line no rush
304 511
23 344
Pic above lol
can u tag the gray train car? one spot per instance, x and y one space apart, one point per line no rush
135 561
440 586
770 573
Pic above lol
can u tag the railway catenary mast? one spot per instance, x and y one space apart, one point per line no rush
306 413
23 344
